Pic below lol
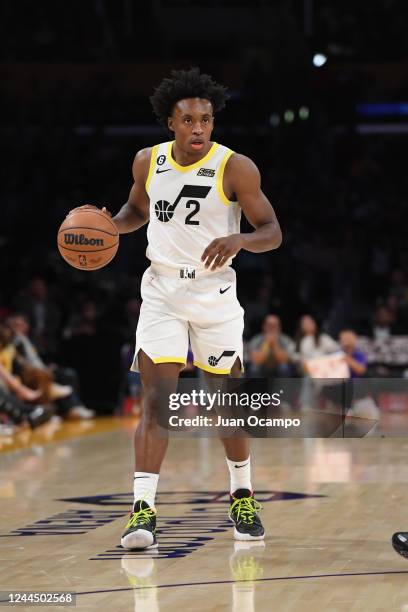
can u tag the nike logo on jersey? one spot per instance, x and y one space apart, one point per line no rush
224 290
160 171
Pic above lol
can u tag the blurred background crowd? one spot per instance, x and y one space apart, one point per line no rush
319 100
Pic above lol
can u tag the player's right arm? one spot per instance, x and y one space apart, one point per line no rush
135 213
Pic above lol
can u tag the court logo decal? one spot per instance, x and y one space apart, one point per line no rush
184 498
71 522
179 536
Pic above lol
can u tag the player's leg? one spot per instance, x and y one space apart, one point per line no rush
151 441
161 350
216 330
243 506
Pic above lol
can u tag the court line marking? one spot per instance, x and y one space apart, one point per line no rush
210 582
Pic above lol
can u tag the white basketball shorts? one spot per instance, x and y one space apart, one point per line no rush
203 310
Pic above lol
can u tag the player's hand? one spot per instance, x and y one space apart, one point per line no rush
91 207
220 250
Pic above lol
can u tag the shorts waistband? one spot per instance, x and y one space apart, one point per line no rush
184 272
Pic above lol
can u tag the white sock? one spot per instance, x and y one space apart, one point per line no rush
240 474
145 486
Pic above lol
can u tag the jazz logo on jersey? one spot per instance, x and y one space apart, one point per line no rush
206 172
165 210
213 361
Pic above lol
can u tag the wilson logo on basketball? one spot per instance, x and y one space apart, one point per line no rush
82 240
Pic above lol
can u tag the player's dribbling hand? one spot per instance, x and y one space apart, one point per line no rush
91 207
220 250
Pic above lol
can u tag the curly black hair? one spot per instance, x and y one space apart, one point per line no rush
186 84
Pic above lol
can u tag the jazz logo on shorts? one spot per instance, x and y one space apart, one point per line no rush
213 361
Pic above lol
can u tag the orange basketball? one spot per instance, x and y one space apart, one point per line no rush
88 239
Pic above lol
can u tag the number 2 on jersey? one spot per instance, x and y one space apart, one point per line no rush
165 211
189 218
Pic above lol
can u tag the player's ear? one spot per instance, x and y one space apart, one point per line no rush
170 124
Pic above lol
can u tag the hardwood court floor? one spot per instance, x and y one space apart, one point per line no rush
329 507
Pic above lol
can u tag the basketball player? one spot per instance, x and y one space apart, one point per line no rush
191 191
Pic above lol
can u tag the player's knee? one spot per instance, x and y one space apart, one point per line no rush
155 403
151 402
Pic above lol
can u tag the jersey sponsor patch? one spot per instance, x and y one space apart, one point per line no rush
206 172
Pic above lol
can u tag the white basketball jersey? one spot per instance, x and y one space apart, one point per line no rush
188 207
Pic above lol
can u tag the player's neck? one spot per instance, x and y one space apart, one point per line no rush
185 158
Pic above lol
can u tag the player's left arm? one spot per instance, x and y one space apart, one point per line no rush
243 180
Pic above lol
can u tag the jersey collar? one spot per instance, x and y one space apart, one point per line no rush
197 164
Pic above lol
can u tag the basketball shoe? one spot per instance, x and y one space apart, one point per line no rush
243 513
140 531
400 543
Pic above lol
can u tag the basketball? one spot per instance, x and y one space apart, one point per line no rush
88 239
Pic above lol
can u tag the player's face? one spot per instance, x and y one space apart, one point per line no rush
192 122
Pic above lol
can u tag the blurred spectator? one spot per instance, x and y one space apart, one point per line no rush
271 352
399 287
44 317
31 376
311 342
354 357
23 345
383 323
358 396
10 382
19 404
66 384
93 348
7 350
85 322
